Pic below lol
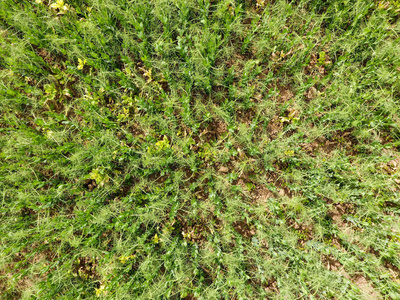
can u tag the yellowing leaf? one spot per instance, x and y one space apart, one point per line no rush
147 73
128 71
289 153
58 4
61 6
99 177
159 146
100 291
81 63
123 259
156 240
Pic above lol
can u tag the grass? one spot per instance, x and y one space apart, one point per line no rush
197 149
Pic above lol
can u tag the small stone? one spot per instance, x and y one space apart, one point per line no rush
223 169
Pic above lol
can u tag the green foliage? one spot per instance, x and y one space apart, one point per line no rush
196 149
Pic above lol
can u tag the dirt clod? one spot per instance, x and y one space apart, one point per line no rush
223 169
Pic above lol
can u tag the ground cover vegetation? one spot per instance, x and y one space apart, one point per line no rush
197 149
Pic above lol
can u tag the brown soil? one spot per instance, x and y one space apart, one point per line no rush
305 230
218 128
272 287
332 264
336 213
245 116
214 130
341 140
285 94
261 195
196 231
244 229
274 127
366 288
